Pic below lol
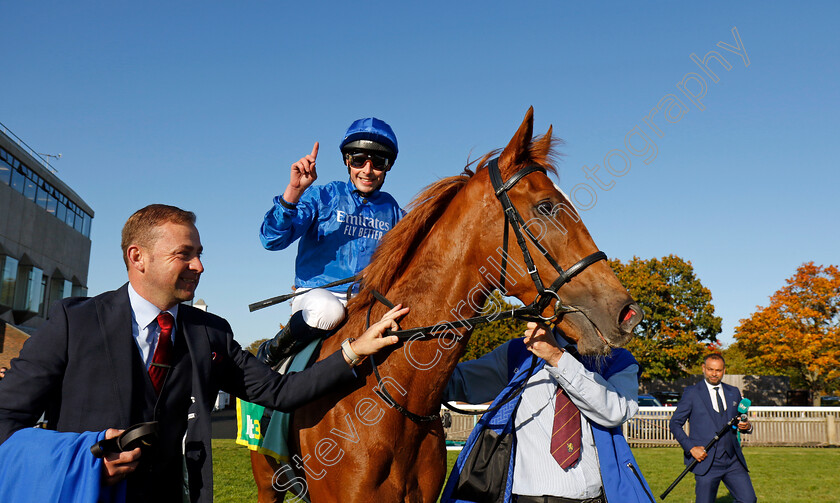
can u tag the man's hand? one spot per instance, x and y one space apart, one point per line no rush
303 175
540 341
698 453
117 465
744 425
372 341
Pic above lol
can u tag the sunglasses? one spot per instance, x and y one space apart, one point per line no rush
378 162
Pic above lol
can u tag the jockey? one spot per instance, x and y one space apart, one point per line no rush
337 226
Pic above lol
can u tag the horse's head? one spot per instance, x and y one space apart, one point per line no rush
573 284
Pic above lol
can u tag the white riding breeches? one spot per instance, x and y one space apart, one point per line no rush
321 308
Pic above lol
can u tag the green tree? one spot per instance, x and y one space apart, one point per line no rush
799 332
680 325
488 336
738 363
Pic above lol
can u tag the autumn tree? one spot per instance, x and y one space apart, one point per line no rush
488 336
799 332
680 325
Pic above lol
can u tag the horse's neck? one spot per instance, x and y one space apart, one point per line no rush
440 289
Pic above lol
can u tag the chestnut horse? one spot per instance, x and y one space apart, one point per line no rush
443 260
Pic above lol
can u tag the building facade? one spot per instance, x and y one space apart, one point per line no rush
44 236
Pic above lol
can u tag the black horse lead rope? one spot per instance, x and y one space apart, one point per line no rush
417 418
380 389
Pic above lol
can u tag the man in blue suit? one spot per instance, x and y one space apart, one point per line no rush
708 406
88 367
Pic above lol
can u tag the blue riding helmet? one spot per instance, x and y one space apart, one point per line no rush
370 134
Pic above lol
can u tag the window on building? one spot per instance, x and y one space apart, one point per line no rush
8 279
61 211
42 302
70 217
41 197
29 189
5 171
80 220
52 204
86 226
60 288
28 289
79 291
17 180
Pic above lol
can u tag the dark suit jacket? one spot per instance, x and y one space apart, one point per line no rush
84 369
704 422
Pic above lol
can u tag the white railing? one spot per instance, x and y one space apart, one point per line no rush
772 426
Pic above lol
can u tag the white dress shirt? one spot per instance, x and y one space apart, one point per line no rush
144 326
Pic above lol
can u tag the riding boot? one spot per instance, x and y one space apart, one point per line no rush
289 341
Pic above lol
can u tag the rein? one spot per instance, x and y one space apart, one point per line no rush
531 312
417 418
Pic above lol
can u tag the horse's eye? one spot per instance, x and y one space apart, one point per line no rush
544 208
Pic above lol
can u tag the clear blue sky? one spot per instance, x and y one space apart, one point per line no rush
206 104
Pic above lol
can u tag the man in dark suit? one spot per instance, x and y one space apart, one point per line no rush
95 364
708 406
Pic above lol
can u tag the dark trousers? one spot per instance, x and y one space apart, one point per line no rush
726 468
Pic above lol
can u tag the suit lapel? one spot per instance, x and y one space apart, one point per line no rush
731 396
706 398
198 349
114 313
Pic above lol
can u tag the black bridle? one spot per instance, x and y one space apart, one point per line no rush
513 220
531 312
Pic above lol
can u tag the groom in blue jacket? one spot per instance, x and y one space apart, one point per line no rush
592 463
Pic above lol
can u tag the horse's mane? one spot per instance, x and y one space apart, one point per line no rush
396 248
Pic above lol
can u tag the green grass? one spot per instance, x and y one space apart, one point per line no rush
232 479
779 474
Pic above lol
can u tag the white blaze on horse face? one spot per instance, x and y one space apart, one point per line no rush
566 196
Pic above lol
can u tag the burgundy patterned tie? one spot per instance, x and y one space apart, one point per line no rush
565 433
163 351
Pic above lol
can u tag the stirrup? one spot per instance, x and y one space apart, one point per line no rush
289 341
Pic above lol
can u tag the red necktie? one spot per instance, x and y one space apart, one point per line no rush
565 433
163 351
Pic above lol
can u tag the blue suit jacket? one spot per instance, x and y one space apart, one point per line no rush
84 369
695 406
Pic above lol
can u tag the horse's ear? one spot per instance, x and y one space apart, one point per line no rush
517 150
541 148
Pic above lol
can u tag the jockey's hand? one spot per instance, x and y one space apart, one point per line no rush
372 340
117 465
540 341
303 175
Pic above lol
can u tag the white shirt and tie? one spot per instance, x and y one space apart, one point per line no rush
714 389
144 326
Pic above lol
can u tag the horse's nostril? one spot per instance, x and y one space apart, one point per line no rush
626 314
